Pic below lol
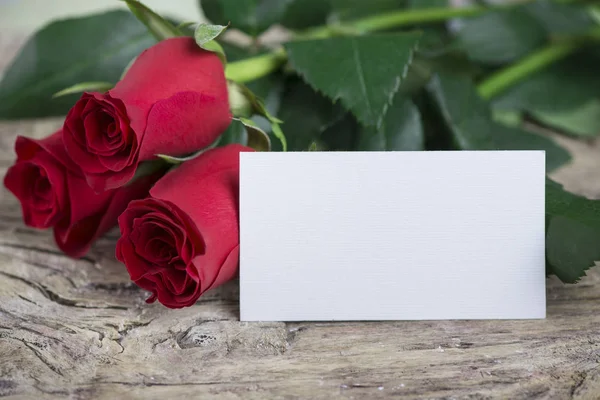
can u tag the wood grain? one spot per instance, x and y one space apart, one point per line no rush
80 329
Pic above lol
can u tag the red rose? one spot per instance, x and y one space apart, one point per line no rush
54 194
173 100
184 238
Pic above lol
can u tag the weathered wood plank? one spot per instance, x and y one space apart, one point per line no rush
79 328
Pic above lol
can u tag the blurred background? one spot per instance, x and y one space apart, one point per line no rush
27 15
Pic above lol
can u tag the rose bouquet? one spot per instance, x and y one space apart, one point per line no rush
152 143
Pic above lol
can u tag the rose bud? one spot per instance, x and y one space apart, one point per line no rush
173 101
182 240
54 194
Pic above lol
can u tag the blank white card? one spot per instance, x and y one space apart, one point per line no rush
392 235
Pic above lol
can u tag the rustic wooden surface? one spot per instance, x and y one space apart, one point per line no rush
80 329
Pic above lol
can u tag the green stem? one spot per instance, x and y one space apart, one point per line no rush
536 61
259 66
426 15
255 67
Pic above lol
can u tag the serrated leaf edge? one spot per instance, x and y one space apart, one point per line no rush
399 79
583 271
576 280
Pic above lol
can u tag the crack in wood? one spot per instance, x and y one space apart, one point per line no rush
27 329
146 383
27 300
114 287
129 326
56 298
51 392
33 249
579 378
293 333
71 303
118 342
39 265
100 335
159 342
69 280
39 355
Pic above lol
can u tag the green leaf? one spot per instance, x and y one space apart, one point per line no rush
508 118
84 87
401 130
278 133
258 107
564 96
178 160
158 26
560 18
205 36
182 159
515 138
449 60
57 57
239 104
268 88
583 121
427 3
235 133
306 114
253 103
437 41
147 168
418 75
341 136
205 33
463 111
572 233
250 16
248 134
471 127
363 72
501 37
186 25
344 10
302 14
257 138
566 85
236 53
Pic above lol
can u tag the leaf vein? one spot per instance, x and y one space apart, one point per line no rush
361 75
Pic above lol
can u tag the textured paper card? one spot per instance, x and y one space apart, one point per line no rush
392 235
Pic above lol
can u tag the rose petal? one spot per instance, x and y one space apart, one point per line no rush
196 118
107 155
188 68
90 219
36 167
206 190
